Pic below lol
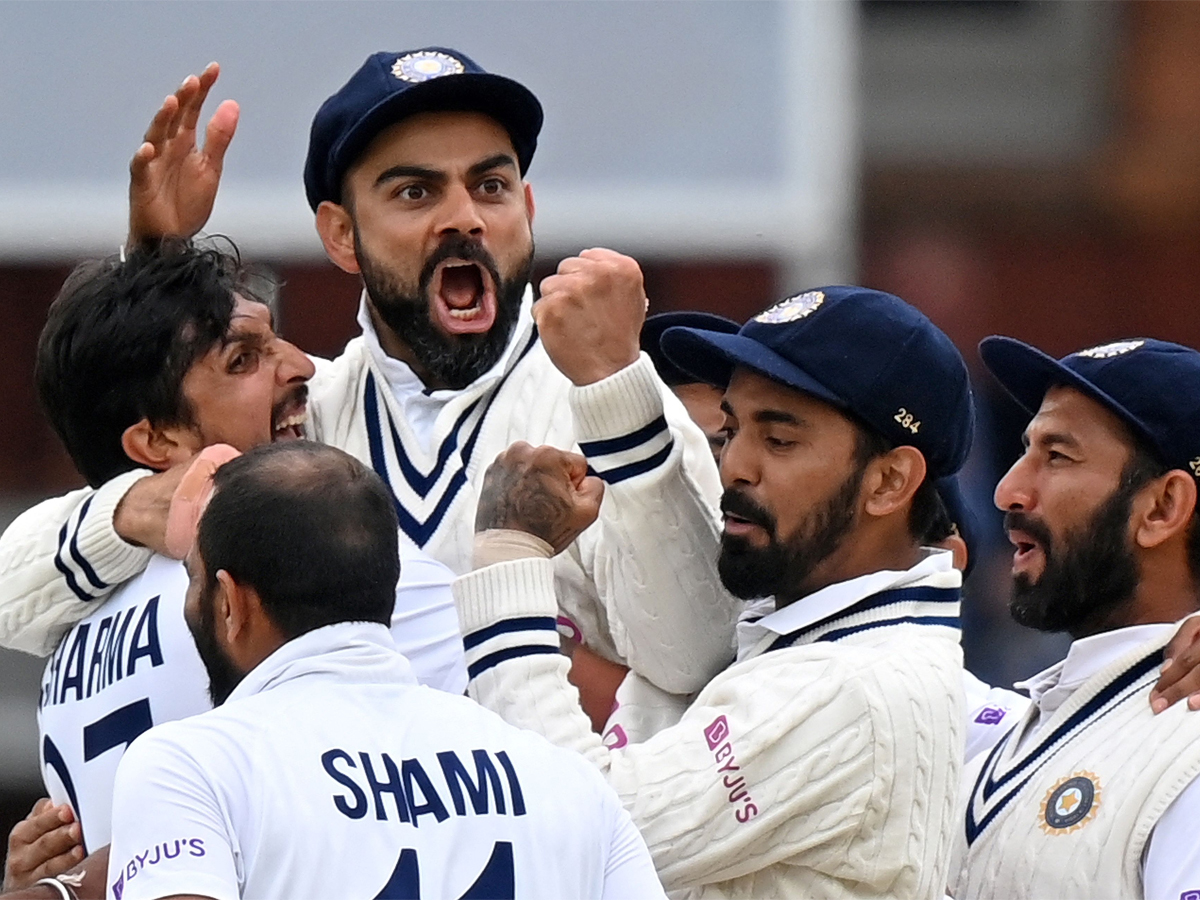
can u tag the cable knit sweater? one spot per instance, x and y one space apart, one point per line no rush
623 585
824 763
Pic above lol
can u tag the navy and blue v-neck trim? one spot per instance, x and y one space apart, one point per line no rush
449 456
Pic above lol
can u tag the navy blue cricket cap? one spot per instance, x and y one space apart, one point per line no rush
1152 386
390 87
652 332
863 351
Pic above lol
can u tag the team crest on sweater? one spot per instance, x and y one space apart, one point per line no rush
1070 804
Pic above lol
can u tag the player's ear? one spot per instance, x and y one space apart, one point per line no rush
336 228
530 206
157 447
892 479
230 610
1163 508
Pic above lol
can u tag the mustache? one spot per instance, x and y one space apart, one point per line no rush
1015 520
738 504
458 246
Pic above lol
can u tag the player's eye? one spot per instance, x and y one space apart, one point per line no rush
243 361
492 187
413 192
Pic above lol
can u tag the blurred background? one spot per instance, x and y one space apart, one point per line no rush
1008 166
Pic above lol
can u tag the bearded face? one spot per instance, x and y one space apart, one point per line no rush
458 318
223 675
783 564
1088 574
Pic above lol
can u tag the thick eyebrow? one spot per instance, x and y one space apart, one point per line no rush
500 160
1050 438
492 162
238 336
409 172
767 416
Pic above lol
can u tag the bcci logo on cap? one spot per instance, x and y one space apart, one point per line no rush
1108 351
792 309
425 65
1070 804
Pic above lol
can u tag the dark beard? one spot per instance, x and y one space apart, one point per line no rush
223 676
1087 579
450 360
781 568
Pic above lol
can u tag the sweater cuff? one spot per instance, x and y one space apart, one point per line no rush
620 423
506 611
91 555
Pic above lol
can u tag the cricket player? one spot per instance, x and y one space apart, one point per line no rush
824 762
326 770
144 362
416 175
1089 794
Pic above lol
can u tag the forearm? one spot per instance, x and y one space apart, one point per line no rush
716 795
57 559
654 549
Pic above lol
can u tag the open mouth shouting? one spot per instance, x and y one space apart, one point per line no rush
1029 557
289 417
463 295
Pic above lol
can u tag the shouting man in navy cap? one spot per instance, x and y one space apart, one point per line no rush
416 171
1090 794
825 760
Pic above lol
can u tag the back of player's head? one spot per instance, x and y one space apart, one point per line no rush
311 529
119 339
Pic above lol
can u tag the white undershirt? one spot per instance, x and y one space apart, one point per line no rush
421 406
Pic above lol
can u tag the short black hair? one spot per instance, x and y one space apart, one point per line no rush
311 529
928 520
119 339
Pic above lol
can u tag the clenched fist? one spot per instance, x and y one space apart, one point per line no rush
542 491
590 314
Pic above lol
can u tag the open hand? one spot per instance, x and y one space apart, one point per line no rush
1180 676
172 181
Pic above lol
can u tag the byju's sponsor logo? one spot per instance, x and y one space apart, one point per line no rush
152 857
717 736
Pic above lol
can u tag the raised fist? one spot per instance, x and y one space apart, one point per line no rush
590 314
542 491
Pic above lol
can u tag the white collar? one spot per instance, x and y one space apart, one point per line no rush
1049 688
403 380
837 597
357 652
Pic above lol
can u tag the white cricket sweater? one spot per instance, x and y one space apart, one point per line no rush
1067 812
625 584
824 763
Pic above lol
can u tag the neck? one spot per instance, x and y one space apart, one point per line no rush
397 348
858 555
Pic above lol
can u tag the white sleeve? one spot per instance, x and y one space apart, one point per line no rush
991 712
1172 861
169 834
425 622
57 559
653 552
629 871
754 773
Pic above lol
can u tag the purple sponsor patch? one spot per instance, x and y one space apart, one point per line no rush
991 715
1186 895
118 887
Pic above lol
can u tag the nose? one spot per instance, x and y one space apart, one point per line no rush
460 212
736 464
1015 490
294 365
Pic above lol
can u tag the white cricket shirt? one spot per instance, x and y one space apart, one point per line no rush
330 773
132 664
